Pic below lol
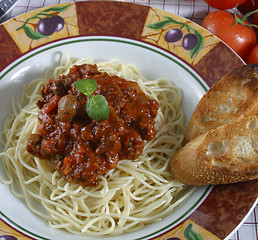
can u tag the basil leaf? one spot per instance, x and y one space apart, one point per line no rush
97 107
86 86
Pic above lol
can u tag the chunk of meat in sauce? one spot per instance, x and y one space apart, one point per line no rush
83 148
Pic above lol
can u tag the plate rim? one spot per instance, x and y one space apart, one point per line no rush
122 4
175 59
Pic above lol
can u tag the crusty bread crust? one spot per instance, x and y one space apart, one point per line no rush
227 154
225 102
221 140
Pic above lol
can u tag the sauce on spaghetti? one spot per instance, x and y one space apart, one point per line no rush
83 148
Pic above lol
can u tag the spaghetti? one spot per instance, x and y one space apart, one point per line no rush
129 196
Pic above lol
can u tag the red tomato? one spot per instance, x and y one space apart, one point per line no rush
253 56
240 38
224 4
248 6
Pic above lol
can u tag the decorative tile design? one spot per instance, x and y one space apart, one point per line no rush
159 23
28 37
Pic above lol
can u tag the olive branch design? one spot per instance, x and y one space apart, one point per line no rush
190 234
42 15
196 47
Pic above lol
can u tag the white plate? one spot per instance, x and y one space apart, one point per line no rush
152 63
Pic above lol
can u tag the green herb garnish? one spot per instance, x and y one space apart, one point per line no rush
96 106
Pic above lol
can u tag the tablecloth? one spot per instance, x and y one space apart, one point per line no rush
194 10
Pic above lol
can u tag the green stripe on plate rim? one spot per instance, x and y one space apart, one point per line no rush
105 40
112 39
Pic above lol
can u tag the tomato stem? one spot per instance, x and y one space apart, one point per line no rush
244 18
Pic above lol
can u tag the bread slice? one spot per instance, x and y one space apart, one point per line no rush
226 154
225 101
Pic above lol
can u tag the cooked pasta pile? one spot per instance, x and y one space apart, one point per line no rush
129 196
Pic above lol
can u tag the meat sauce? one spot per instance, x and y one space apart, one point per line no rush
80 147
